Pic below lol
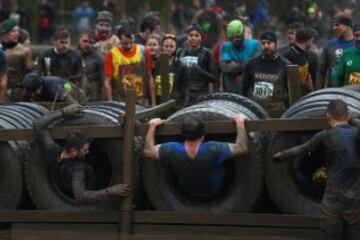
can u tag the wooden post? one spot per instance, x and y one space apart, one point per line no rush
293 83
164 73
128 146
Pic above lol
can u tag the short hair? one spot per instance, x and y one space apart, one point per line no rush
295 25
61 33
169 36
125 30
338 110
127 21
149 22
76 139
192 128
304 34
155 36
87 32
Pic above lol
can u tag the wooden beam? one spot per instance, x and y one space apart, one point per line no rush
173 129
293 84
162 217
98 131
164 74
125 219
159 217
228 127
161 110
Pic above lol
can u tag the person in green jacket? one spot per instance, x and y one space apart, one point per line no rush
349 66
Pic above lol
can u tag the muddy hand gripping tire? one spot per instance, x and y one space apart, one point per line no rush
243 174
12 188
290 183
105 158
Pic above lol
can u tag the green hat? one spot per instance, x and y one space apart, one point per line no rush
235 28
7 25
312 8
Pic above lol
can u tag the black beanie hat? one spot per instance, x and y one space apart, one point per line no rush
342 20
268 35
195 27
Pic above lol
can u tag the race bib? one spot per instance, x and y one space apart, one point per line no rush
134 81
189 61
354 78
263 90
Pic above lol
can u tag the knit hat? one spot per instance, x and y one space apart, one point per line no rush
7 25
104 16
342 20
268 35
32 81
195 27
313 8
235 28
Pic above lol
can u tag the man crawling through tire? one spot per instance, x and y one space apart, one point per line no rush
340 206
197 165
71 172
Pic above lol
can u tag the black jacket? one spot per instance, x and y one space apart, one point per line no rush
307 61
265 81
68 65
194 70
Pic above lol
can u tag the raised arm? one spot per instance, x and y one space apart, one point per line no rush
150 149
42 132
241 143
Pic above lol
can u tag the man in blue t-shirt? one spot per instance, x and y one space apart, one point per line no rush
234 54
333 51
196 165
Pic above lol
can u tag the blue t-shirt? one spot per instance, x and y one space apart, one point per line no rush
202 176
228 52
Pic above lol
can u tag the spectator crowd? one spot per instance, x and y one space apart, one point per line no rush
209 50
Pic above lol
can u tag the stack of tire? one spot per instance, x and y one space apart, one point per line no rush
13 153
105 157
243 174
291 184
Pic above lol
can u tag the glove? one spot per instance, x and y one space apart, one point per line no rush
320 175
71 109
118 190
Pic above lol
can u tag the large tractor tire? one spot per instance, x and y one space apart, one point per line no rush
290 183
12 187
243 174
105 158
